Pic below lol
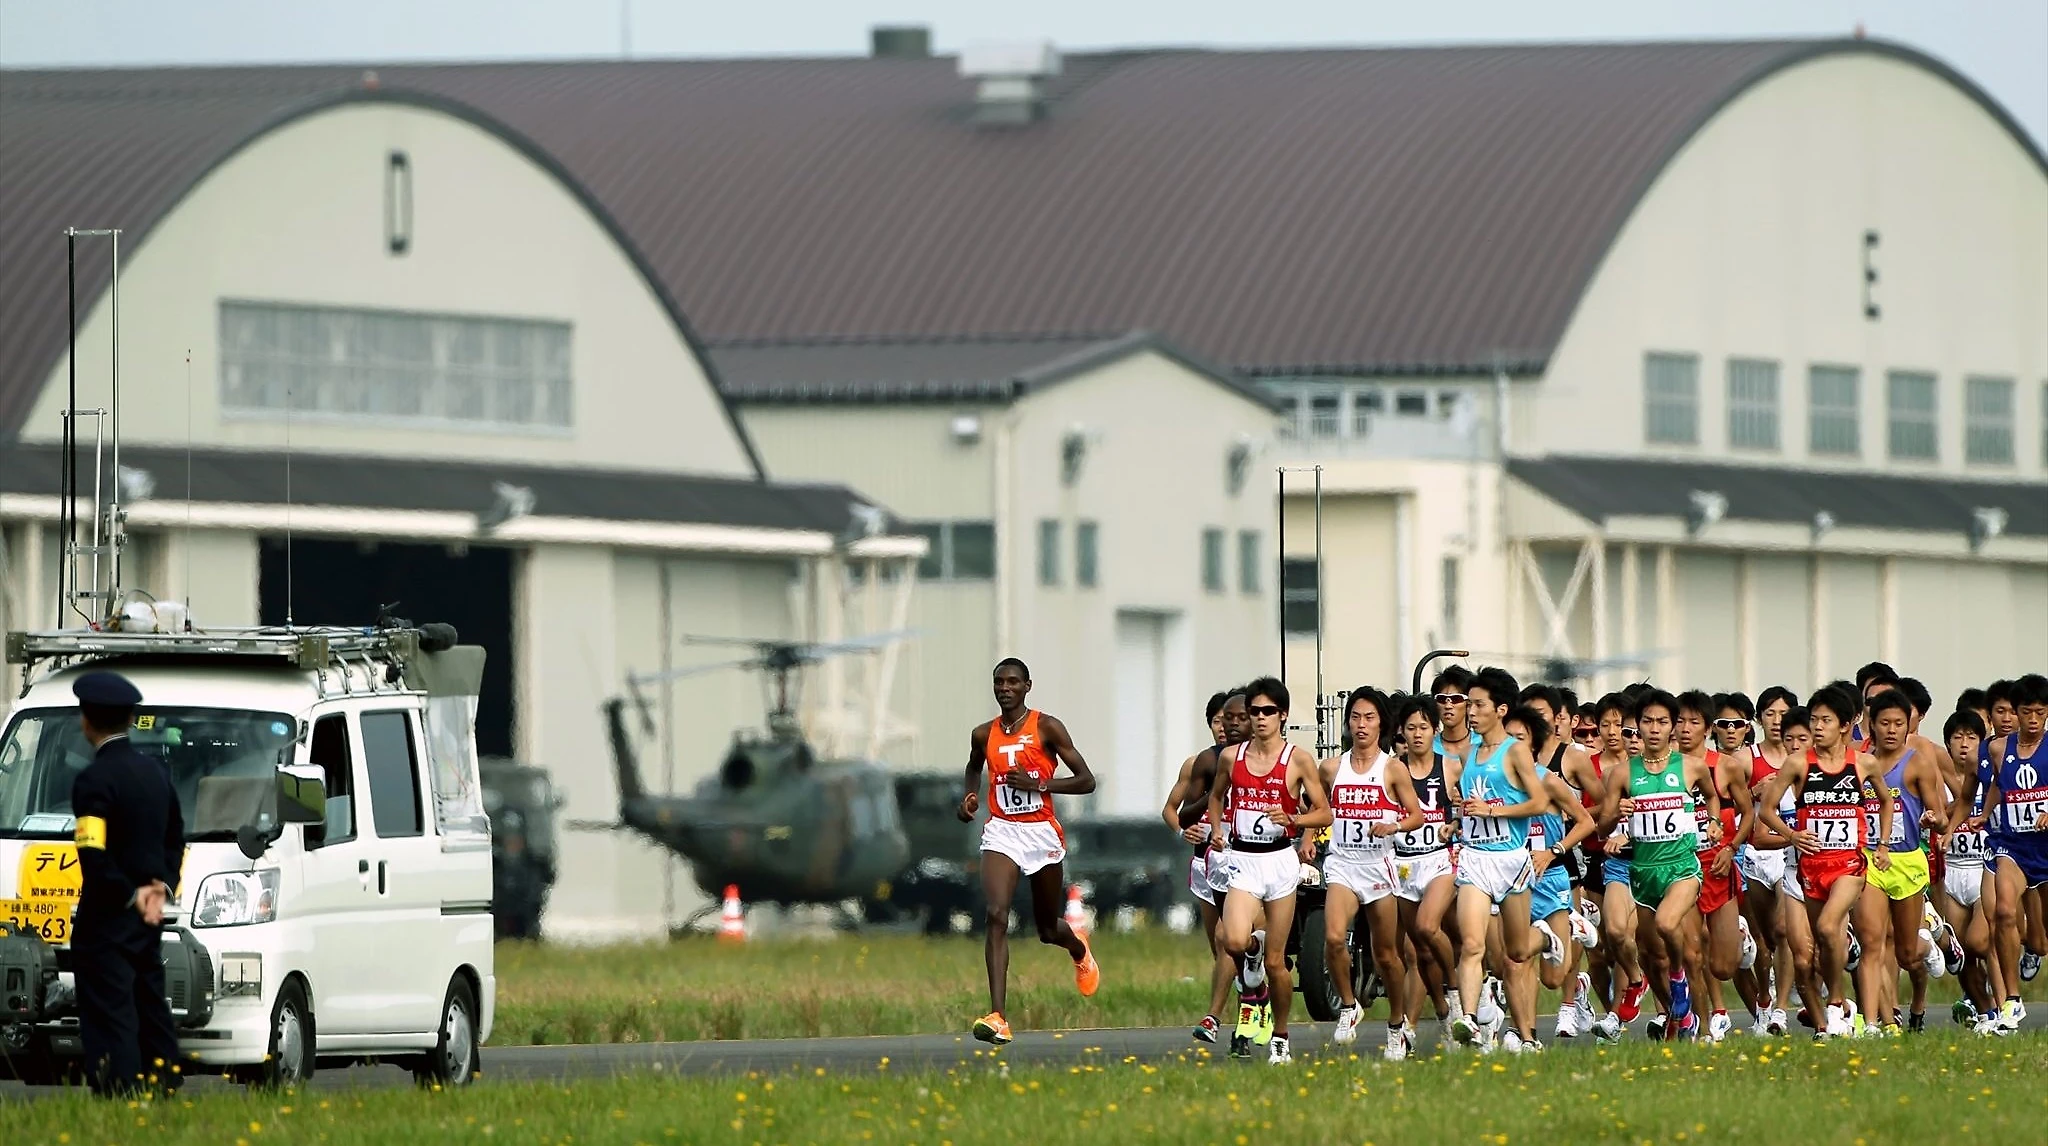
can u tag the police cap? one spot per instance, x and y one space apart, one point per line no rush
104 689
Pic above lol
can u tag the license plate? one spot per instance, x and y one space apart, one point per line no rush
52 921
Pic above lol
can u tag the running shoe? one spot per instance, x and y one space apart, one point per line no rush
1248 1015
1961 1013
1278 1054
1855 954
1207 1030
1989 1026
1585 932
1490 1010
1658 1028
2030 966
1631 1003
1951 948
1568 1021
1511 1042
1932 958
1264 1033
1608 1029
2012 1014
1748 959
1719 1026
1916 1023
1252 975
1681 996
1553 945
1759 1022
1398 1043
1240 1046
1775 1024
1465 1029
1687 1028
1453 1005
1087 975
1347 1024
992 1028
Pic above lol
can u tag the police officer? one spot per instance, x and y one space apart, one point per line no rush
131 843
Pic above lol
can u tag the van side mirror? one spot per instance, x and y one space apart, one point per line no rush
301 795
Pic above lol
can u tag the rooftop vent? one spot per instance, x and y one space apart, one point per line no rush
901 42
1011 78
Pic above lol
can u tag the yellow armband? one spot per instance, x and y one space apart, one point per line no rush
91 832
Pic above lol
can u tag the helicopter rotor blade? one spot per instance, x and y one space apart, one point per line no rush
637 679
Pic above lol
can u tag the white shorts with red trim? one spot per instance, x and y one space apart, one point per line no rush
1370 878
1270 876
1031 845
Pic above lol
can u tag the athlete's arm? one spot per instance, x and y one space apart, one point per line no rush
1786 779
1080 781
1178 793
1580 826
1745 804
1586 774
1401 787
1924 779
1308 779
1219 803
977 751
1873 775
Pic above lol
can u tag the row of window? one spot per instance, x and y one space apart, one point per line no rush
1300 600
375 365
1213 566
1671 410
1350 411
966 551
1087 552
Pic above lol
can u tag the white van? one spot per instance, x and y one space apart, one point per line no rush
335 901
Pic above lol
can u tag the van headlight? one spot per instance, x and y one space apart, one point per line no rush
232 898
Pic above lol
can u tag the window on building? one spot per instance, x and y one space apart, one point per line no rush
1411 403
959 550
1671 399
1085 557
1299 609
1987 421
393 768
1910 415
1833 418
1323 418
329 752
1290 412
1248 560
1450 618
343 364
1048 552
1367 404
1752 404
1447 403
1212 560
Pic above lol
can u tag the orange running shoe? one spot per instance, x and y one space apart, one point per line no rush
1087 976
993 1028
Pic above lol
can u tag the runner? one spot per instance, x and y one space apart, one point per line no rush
1664 870
1501 792
1800 951
1372 798
1766 869
1961 898
1022 749
1575 768
1732 950
1187 812
2018 801
1830 838
1423 875
1919 802
1559 932
1619 740
2004 722
1258 794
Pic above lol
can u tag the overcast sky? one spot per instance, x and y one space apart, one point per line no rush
2001 44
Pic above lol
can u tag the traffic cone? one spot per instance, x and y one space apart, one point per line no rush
732 924
1077 917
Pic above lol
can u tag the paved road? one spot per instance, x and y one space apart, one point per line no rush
902 1052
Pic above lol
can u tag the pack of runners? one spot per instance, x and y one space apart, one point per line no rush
1492 839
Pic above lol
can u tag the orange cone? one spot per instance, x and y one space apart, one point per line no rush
732 924
1077 918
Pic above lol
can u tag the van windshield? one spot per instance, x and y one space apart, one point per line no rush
45 750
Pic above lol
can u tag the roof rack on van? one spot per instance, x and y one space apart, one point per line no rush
301 647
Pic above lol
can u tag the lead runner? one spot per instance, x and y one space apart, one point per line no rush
1022 748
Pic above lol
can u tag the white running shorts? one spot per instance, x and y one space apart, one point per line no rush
1764 867
1414 874
1031 846
1198 877
1268 875
1789 885
1498 874
1370 878
1964 884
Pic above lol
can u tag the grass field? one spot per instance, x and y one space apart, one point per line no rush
1937 1088
874 985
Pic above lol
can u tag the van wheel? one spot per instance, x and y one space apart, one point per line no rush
455 1060
290 1061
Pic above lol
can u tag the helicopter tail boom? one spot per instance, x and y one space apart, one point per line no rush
623 760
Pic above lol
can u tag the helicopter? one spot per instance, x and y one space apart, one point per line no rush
778 821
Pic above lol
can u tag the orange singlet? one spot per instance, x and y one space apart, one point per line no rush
1013 750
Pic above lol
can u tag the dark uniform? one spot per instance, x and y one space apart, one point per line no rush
130 836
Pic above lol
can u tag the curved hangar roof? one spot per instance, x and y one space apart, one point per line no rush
1309 211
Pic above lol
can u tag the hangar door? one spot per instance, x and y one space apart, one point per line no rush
346 582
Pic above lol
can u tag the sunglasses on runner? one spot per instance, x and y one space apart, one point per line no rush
1451 698
1264 710
1631 734
1731 724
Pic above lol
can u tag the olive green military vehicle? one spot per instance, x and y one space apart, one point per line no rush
521 803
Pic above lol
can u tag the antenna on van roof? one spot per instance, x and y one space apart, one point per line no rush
110 516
